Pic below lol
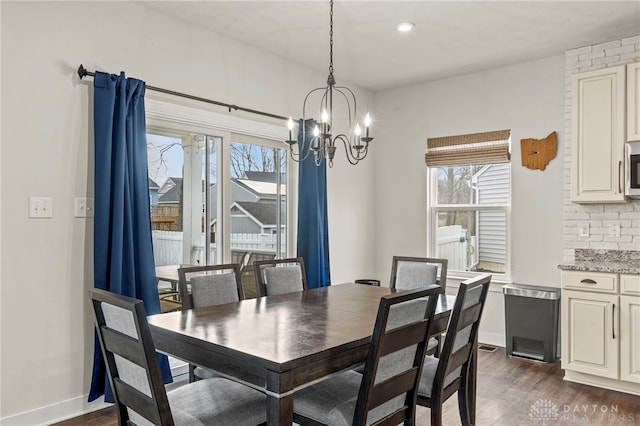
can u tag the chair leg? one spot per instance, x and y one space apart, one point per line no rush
463 406
192 377
436 415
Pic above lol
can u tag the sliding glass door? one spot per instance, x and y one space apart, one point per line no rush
217 197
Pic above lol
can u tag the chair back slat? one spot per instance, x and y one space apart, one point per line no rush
279 276
402 337
392 387
393 420
458 358
469 316
452 388
131 397
210 285
130 357
123 345
392 371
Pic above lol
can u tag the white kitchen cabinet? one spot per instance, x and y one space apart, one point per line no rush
600 329
598 136
633 102
630 328
630 338
589 344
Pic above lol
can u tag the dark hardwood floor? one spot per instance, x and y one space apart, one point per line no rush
511 391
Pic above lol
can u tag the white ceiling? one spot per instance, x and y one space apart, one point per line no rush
450 37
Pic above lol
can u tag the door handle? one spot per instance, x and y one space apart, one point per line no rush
619 177
613 321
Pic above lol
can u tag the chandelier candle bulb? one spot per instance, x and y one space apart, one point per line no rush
356 142
290 126
367 124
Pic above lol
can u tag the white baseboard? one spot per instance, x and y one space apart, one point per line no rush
494 339
53 413
78 406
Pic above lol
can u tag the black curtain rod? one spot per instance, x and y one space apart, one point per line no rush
83 72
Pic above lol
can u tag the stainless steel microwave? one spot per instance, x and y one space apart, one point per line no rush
632 169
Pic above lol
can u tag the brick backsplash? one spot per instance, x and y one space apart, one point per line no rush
598 216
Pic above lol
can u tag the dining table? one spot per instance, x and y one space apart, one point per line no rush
282 343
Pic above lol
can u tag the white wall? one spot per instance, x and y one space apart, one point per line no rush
46 326
527 98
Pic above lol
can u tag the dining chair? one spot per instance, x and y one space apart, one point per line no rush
209 285
136 381
413 272
454 371
386 393
279 276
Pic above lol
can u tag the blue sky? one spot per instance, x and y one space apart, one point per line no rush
172 159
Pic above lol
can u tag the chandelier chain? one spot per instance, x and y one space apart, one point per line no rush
331 39
322 145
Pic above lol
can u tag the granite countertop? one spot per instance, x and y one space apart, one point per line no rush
612 261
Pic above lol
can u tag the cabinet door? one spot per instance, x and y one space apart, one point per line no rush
630 338
590 333
633 102
598 136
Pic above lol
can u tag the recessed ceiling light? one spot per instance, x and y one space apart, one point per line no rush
405 27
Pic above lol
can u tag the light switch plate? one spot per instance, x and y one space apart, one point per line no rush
40 207
83 207
614 230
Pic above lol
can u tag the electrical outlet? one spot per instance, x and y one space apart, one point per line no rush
583 229
614 230
83 207
40 207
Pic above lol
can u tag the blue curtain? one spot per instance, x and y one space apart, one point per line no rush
123 251
313 228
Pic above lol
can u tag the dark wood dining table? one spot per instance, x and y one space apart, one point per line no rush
279 344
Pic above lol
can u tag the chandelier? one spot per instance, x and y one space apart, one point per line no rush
324 140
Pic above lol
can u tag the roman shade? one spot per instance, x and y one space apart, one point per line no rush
475 148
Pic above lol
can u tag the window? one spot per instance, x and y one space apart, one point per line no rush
469 206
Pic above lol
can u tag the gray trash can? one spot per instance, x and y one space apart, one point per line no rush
531 319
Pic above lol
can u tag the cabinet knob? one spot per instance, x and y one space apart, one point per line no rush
588 281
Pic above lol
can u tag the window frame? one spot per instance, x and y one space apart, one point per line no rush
433 208
165 116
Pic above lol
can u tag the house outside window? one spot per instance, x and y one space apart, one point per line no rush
469 205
